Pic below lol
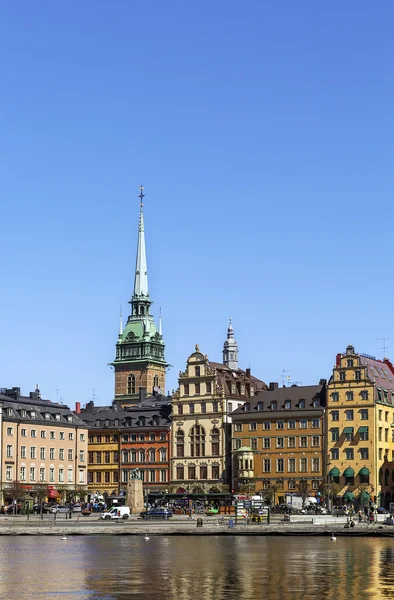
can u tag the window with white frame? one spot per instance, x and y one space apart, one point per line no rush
61 475
10 431
81 476
42 473
51 474
9 451
32 473
23 451
33 452
69 475
8 473
22 473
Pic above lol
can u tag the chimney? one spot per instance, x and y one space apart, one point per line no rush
273 386
141 394
77 408
248 372
338 360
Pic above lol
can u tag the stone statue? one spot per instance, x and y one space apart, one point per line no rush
135 474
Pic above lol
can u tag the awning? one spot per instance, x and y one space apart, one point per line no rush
348 430
334 472
348 496
363 429
365 496
348 472
52 494
364 471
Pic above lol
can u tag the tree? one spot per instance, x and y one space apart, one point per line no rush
40 493
330 491
304 488
271 493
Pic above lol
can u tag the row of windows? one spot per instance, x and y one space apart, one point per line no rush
43 453
103 457
280 442
142 455
348 433
291 424
291 465
131 383
196 444
43 434
273 405
33 472
201 407
147 475
34 414
128 437
349 453
350 414
291 484
199 473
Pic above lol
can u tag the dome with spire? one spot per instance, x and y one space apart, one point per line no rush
230 349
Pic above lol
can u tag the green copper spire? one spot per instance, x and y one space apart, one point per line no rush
140 346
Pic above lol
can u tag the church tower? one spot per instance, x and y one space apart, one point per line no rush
140 360
230 349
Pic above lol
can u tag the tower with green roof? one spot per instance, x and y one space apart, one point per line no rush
140 360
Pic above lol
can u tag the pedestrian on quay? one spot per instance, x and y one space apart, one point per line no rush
360 516
371 517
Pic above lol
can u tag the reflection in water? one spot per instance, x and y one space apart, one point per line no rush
183 568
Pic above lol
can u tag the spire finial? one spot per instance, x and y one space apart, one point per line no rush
160 330
142 195
121 322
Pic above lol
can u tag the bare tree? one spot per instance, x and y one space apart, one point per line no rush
304 488
271 493
16 491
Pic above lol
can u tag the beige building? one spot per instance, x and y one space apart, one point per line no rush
43 444
200 439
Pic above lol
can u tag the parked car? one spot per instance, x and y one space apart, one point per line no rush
10 509
382 511
156 513
77 508
60 508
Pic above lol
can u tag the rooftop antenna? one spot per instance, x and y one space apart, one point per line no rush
284 378
58 389
94 396
384 347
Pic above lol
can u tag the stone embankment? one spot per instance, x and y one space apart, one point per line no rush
35 526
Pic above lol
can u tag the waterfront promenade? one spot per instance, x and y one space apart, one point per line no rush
20 525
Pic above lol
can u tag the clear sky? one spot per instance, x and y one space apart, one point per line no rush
263 134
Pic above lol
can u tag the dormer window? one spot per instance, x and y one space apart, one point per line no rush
274 405
116 423
47 416
57 417
97 423
251 390
23 414
259 406
10 412
32 414
246 406
316 403
287 404
69 418
106 422
301 404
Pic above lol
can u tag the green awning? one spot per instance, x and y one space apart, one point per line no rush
348 430
334 472
348 496
364 471
365 496
348 472
363 429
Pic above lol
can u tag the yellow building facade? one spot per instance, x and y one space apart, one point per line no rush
360 414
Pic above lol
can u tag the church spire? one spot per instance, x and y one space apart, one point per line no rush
121 323
141 269
230 349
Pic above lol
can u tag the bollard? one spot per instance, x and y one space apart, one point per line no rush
199 522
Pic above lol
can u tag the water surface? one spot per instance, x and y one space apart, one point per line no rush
200 568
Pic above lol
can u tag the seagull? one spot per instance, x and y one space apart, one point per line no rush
64 538
146 538
333 538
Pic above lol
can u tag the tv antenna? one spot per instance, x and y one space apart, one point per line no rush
285 378
58 389
384 347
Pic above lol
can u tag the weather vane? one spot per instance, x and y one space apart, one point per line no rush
142 195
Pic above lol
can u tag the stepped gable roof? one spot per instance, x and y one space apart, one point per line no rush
43 411
262 401
378 372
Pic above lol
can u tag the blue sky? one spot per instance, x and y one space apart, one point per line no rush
263 134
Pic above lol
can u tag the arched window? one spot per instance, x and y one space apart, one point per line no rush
152 455
125 456
163 454
197 441
131 384
142 310
133 456
141 455
180 443
215 442
156 381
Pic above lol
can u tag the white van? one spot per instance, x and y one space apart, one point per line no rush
116 512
